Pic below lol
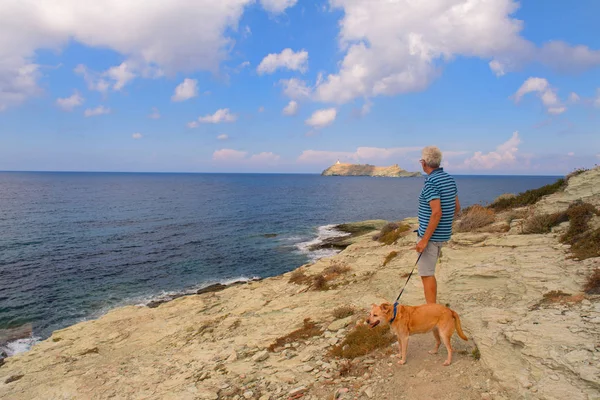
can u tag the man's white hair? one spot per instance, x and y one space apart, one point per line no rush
432 156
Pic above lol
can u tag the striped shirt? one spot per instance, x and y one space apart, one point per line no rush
438 185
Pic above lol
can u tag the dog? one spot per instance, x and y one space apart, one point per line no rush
418 319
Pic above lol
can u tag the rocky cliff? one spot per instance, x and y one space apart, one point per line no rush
342 169
533 331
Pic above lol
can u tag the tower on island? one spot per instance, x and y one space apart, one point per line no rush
338 162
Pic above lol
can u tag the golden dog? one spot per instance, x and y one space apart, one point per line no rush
419 319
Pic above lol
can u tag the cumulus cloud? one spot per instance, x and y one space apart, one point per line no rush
394 47
574 98
291 108
296 89
545 92
165 38
505 155
137 135
264 158
361 155
185 90
221 115
277 6
229 155
100 110
69 103
223 137
321 118
287 59
155 113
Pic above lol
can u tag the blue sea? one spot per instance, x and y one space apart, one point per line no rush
75 245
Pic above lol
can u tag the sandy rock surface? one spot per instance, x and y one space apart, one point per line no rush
215 345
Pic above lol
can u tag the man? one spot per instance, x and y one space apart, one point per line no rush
438 205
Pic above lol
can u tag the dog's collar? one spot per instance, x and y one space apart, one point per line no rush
395 311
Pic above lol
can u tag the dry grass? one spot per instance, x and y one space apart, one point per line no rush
343 312
543 223
299 277
309 329
335 269
515 214
592 285
475 217
576 172
319 283
528 197
390 257
557 296
392 226
363 340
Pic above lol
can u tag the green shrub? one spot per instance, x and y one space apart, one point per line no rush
528 197
390 257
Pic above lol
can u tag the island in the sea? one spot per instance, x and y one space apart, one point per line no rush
345 169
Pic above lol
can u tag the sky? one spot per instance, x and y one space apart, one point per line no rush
292 86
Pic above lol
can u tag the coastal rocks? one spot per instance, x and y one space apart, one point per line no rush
216 344
343 169
584 187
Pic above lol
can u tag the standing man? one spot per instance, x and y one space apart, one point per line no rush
438 205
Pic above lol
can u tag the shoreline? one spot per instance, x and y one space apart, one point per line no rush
519 297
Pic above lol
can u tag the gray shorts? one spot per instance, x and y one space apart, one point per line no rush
429 258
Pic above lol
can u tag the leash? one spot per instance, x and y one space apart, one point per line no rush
402 291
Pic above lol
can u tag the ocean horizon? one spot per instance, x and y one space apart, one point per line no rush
74 245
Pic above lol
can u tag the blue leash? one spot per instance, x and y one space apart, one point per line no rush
402 291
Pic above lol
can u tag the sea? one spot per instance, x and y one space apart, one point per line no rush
75 245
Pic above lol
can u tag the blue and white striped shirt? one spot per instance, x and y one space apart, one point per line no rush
438 185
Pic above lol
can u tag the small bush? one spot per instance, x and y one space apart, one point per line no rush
587 245
579 214
390 257
343 312
392 237
335 269
475 353
592 286
345 368
514 214
299 277
390 227
309 329
528 197
475 217
320 283
543 223
363 340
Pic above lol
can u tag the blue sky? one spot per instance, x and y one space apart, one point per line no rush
294 85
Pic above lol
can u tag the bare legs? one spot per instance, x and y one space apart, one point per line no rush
430 288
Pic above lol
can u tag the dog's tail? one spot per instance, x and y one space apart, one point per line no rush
457 326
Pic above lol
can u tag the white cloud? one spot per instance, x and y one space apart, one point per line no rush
193 124
264 158
221 115
238 157
94 80
545 92
69 103
291 108
100 110
287 59
223 137
574 98
570 154
365 109
277 6
229 155
185 90
155 113
244 65
166 36
321 118
361 155
399 46
504 156
261 109
295 89
137 135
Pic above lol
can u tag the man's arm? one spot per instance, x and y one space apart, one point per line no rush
457 207
434 220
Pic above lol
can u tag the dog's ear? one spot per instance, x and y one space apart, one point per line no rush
385 307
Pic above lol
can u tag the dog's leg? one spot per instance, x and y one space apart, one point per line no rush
446 340
403 348
436 335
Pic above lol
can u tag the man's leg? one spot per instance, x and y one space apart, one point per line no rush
430 288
